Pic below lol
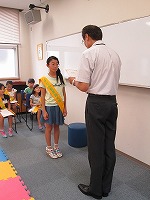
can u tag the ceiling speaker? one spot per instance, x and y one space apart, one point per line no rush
33 16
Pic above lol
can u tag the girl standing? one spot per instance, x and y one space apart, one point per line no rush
35 103
5 103
53 97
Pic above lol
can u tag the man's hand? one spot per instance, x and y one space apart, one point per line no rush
71 79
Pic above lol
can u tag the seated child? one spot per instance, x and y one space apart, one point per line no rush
29 89
12 92
35 103
5 103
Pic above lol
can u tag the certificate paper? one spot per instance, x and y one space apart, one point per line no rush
13 101
71 72
31 109
6 112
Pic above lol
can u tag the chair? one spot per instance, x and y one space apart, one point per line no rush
25 99
18 112
22 98
27 105
14 127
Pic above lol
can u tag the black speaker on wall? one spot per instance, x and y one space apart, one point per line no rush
33 16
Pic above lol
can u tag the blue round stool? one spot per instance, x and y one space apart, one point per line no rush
77 136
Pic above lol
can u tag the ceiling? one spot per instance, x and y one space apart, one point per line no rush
20 4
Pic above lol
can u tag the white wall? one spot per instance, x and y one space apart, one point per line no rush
68 17
133 135
25 66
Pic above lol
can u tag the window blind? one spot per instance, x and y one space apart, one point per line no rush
9 26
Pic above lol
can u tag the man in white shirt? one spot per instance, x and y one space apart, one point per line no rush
98 75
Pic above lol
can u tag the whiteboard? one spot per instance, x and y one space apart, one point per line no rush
131 40
68 50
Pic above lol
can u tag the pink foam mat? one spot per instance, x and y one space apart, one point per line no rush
14 189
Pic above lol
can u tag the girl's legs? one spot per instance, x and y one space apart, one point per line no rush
56 140
38 119
56 134
10 122
48 131
49 149
14 108
2 126
1 122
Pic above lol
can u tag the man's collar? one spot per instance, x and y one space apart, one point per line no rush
97 42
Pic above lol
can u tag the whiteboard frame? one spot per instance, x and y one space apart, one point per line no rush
105 26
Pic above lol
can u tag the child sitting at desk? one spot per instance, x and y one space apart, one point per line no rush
12 92
5 103
29 89
35 103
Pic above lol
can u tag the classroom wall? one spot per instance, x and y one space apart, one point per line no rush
133 133
68 17
25 66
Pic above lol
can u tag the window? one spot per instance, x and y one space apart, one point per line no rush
8 61
9 40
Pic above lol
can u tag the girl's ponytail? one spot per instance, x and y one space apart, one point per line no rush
58 74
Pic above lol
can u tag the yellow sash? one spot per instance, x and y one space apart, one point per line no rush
7 93
53 92
35 109
2 105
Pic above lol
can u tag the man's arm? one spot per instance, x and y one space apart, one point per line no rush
80 85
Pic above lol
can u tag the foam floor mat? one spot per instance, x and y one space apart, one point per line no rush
11 186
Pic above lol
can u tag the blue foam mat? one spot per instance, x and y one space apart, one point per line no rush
3 156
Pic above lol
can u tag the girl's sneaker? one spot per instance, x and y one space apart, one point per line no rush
58 152
3 134
41 128
51 152
10 132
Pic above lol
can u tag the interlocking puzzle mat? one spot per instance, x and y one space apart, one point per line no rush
7 170
14 189
11 185
3 156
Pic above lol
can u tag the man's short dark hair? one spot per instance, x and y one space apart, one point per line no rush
93 31
31 80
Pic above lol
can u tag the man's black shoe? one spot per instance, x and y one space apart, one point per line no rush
85 190
105 194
